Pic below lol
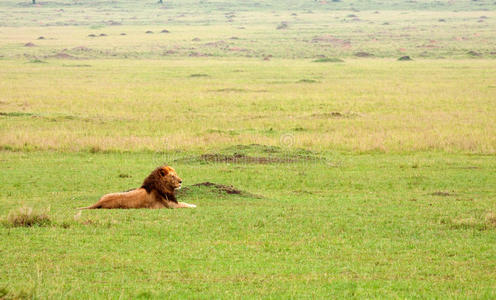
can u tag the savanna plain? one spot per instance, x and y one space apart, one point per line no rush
334 149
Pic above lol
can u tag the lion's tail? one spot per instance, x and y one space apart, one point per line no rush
94 206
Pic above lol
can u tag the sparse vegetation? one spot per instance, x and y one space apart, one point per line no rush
380 93
405 58
27 217
322 166
329 59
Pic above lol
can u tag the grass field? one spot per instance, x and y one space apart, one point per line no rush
200 104
376 225
356 175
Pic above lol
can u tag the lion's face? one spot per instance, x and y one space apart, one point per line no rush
170 178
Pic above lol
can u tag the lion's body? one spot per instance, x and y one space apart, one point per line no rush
157 191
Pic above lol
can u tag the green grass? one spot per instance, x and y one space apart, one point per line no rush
347 226
362 176
328 59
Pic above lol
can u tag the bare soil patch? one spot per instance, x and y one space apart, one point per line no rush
37 61
335 115
15 114
62 56
216 188
81 48
197 54
238 158
229 189
198 75
363 54
218 44
331 40
77 66
255 147
229 90
443 194
328 59
237 90
283 25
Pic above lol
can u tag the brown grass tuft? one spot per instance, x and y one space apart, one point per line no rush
482 223
491 219
27 217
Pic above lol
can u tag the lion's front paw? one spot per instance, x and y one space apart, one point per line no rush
186 205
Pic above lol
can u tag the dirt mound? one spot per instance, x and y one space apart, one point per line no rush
238 158
217 44
328 59
29 44
223 188
230 90
197 54
362 54
164 31
62 56
41 38
443 194
306 80
238 49
81 48
255 154
335 115
405 58
255 147
217 188
198 75
331 40
283 25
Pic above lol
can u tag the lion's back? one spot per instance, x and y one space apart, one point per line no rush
137 198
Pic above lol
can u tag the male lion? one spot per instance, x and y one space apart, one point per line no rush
157 191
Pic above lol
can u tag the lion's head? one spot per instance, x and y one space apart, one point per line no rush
164 180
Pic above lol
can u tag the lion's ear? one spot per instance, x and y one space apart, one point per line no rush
162 172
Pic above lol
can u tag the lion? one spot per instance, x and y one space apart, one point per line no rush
157 191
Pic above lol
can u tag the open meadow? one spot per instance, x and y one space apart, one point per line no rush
321 164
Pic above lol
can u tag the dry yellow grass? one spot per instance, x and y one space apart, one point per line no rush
376 105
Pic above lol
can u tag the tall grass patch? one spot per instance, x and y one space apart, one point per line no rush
27 217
